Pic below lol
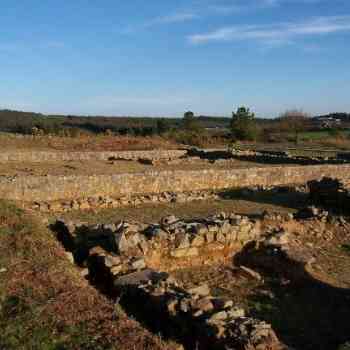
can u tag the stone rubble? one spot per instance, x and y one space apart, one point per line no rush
167 245
133 200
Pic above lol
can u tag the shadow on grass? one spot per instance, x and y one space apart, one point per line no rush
284 196
306 313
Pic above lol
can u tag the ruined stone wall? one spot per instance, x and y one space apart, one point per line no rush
48 156
51 188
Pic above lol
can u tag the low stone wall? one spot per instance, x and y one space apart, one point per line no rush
48 156
51 188
133 259
268 157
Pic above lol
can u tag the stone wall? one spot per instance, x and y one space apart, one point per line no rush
52 156
51 188
133 259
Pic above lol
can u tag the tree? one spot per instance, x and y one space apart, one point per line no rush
189 122
162 126
243 125
294 121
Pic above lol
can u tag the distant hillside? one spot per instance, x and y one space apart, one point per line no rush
23 122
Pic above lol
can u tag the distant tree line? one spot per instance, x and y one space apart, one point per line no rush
25 122
191 129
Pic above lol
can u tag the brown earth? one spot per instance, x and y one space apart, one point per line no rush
83 143
113 167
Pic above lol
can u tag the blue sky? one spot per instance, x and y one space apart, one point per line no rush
162 57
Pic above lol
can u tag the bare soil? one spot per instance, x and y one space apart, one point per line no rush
112 167
82 143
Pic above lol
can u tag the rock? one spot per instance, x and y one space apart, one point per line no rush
185 305
210 237
183 241
183 253
144 247
197 241
70 257
84 205
202 290
236 312
55 206
220 237
110 227
84 272
218 316
138 264
181 198
226 227
125 242
3 270
139 278
168 220
204 304
277 240
112 260
251 273
116 270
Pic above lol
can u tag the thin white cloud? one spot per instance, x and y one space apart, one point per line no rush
175 18
283 32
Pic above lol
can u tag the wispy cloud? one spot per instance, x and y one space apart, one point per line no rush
173 18
282 32
236 6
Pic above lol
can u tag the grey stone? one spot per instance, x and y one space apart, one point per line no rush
139 277
279 239
112 260
169 220
218 316
251 273
202 290
236 312
138 264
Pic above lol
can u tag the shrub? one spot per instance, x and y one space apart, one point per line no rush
243 125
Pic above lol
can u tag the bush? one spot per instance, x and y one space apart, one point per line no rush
243 125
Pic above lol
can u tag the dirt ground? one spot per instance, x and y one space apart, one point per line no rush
112 167
253 204
82 143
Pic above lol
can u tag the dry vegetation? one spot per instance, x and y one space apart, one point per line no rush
46 304
83 143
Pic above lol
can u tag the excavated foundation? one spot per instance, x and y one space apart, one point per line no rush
139 265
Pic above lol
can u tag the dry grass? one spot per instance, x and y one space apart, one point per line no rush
83 143
45 304
340 143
